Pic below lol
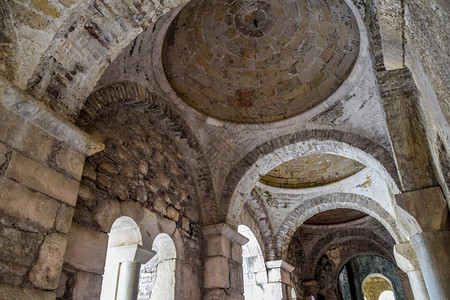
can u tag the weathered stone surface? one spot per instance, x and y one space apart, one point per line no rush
20 201
43 179
217 272
18 252
45 272
64 218
8 292
172 213
86 249
106 213
87 286
70 161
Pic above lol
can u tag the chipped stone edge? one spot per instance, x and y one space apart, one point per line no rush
274 264
25 106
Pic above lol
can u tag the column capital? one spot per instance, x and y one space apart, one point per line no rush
224 230
281 264
406 257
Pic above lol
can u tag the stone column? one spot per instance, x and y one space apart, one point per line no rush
279 279
128 281
223 278
425 218
406 259
433 253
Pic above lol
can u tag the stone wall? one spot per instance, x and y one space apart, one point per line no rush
39 181
142 173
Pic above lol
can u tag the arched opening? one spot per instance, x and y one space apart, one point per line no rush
370 277
254 269
377 287
124 240
157 277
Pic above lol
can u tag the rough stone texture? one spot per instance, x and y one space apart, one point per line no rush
87 286
407 133
86 249
43 179
45 272
21 202
8 292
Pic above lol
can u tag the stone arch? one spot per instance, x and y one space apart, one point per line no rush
245 174
380 245
64 81
169 122
157 279
124 242
258 209
310 207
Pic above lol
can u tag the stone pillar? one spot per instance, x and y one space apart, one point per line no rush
433 252
223 278
429 236
279 279
406 259
128 280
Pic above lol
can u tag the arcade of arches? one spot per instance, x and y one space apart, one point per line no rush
224 149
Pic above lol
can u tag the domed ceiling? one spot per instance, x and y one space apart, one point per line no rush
311 171
259 61
335 216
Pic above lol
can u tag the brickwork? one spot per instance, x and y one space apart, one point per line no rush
311 170
259 62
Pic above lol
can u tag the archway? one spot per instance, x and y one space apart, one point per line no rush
254 268
157 277
377 287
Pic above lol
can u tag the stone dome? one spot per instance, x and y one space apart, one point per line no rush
259 61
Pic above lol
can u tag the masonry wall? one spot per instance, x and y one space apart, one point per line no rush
142 174
39 180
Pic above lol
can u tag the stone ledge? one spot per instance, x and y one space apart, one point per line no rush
19 103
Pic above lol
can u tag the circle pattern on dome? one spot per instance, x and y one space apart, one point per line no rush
312 170
259 61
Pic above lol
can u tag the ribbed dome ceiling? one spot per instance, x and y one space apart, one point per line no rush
259 61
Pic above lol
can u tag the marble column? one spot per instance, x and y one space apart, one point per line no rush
424 217
128 281
223 275
433 253
406 260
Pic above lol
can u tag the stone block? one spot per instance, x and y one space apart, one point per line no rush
236 252
86 249
133 210
427 206
185 223
71 161
236 278
8 292
64 218
172 213
217 273
61 289
89 171
160 206
106 213
218 245
45 272
19 201
87 286
43 179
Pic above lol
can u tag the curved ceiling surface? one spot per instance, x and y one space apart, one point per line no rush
310 171
259 61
